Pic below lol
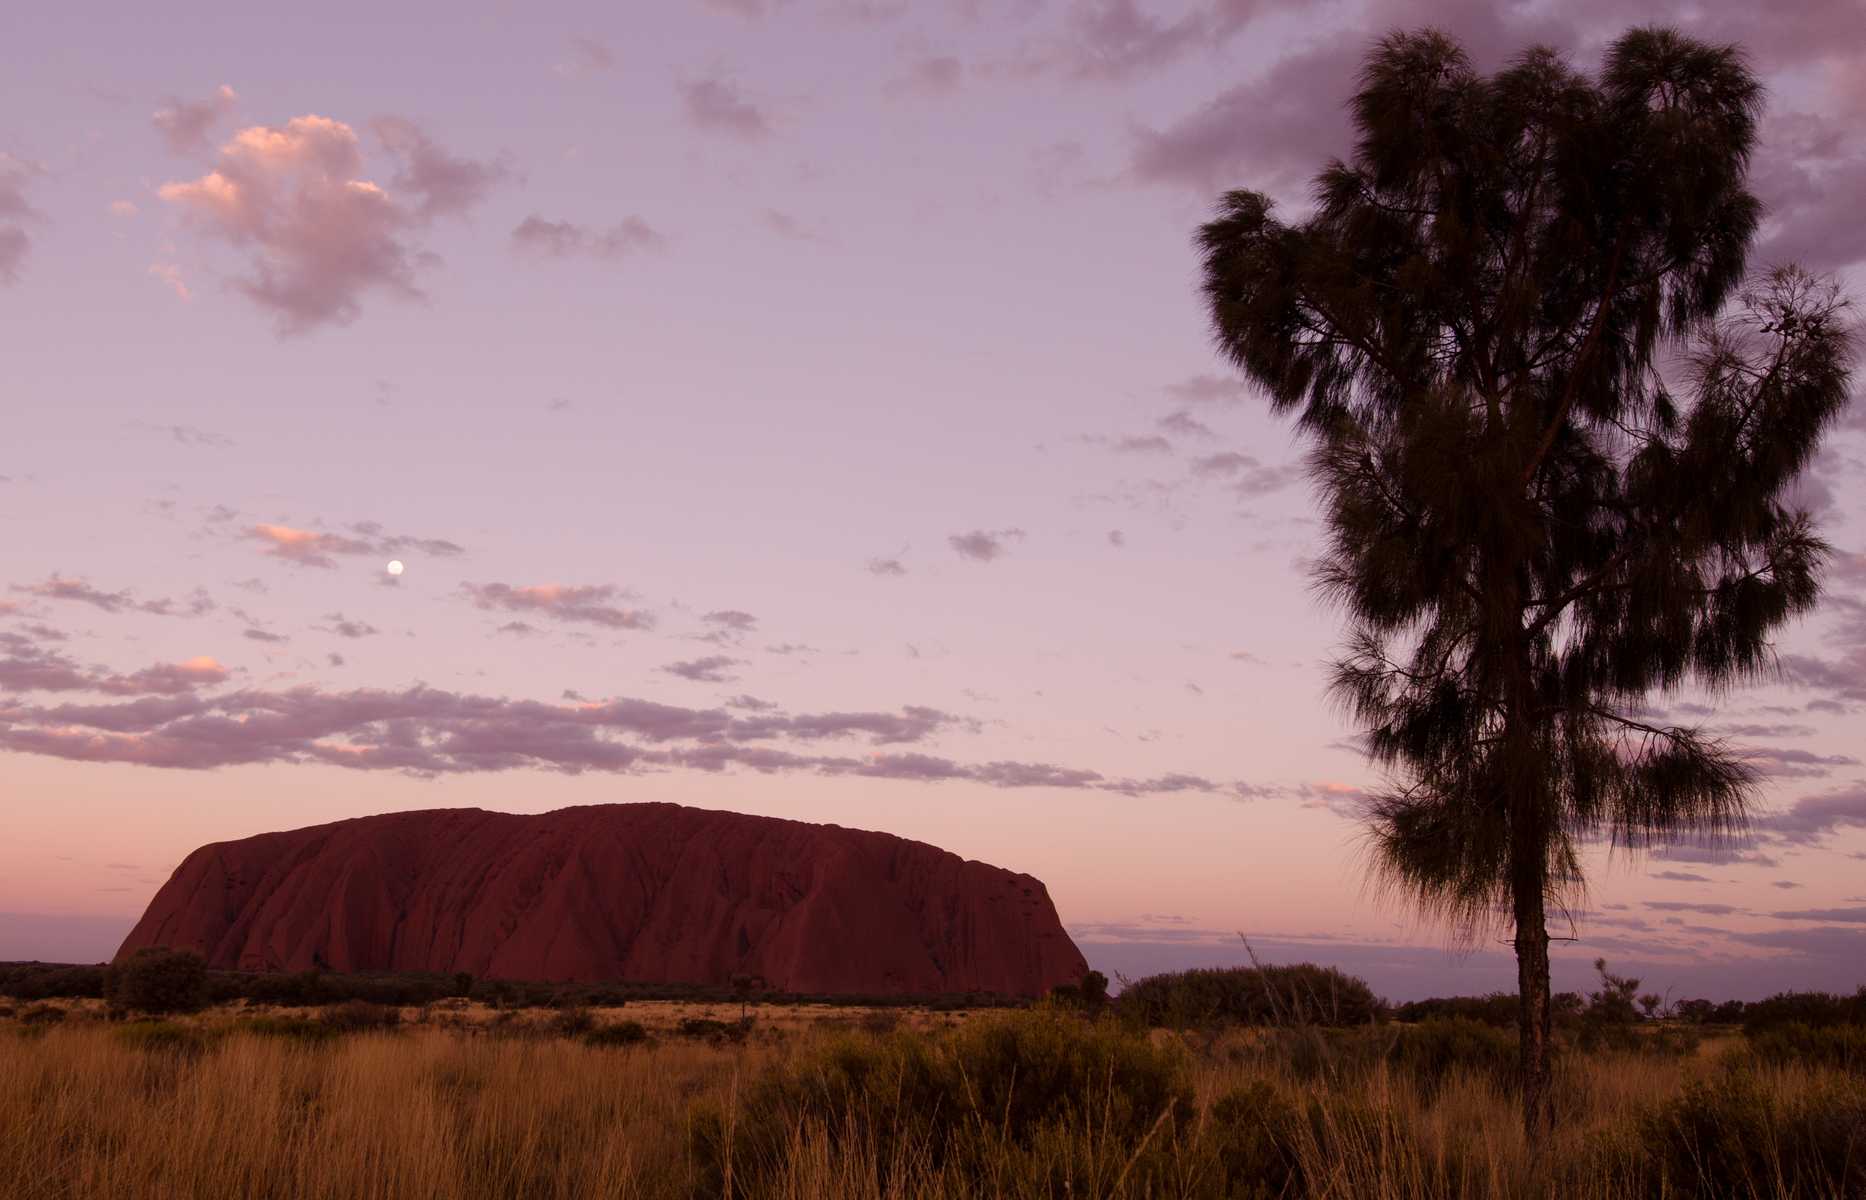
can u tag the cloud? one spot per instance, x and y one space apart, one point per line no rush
14 176
343 626
1709 910
25 667
320 235
1208 389
78 591
261 635
304 547
1846 916
1116 538
983 545
585 604
1183 424
445 184
317 548
886 567
185 124
1151 443
186 435
1681 876
562 239
716 106
735 620
1812 818
714 668
427 731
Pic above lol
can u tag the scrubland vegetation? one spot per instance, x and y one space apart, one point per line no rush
1181 1087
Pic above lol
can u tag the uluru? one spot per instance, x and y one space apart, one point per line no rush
640 893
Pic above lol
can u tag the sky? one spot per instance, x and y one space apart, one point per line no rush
798 407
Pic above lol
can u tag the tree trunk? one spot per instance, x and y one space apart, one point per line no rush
1532 990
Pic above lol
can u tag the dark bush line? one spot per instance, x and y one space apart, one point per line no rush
44 981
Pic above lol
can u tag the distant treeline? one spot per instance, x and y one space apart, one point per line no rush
46 981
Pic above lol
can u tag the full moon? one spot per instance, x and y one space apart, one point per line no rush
395 566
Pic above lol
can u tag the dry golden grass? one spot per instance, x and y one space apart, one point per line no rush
433 1112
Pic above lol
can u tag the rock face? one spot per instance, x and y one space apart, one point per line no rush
648 893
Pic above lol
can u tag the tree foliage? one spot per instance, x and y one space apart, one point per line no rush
1555 423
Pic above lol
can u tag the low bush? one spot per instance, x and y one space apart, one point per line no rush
707 1029
299 1029
42 1014
622 1033
154 980
1499 1009
1841 1047
162 1037
1042 1097
1298 994
571 1022
1734 1137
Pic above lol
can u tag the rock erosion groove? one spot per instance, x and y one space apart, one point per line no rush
646 893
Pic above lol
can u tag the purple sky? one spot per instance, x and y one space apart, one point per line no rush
802 408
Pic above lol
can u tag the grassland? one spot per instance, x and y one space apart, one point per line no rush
457 1100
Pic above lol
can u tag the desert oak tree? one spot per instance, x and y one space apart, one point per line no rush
1555 422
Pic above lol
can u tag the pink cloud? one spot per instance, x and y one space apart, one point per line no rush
320 235
26 667
305 547
185 124
590 604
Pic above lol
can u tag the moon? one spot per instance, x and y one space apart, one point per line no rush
395 566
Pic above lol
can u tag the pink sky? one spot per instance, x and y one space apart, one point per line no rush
802 408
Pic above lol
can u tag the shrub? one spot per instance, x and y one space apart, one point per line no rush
1732 1138
360 1016
42 1014
622 1033
51 981
1015 1092
157 980
1251 1133
572 1022
1298 994
1498 1009
301 1029
162 1037
1432 1051
1815 1009
715 1031
1840 1047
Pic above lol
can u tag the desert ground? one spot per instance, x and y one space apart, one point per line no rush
455 1099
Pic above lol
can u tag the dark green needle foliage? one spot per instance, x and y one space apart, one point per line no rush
1555 417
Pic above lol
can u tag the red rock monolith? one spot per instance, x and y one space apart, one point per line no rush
643 893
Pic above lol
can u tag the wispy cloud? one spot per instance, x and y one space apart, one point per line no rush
984 545
589 604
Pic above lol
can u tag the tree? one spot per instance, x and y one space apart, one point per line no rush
1554 424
